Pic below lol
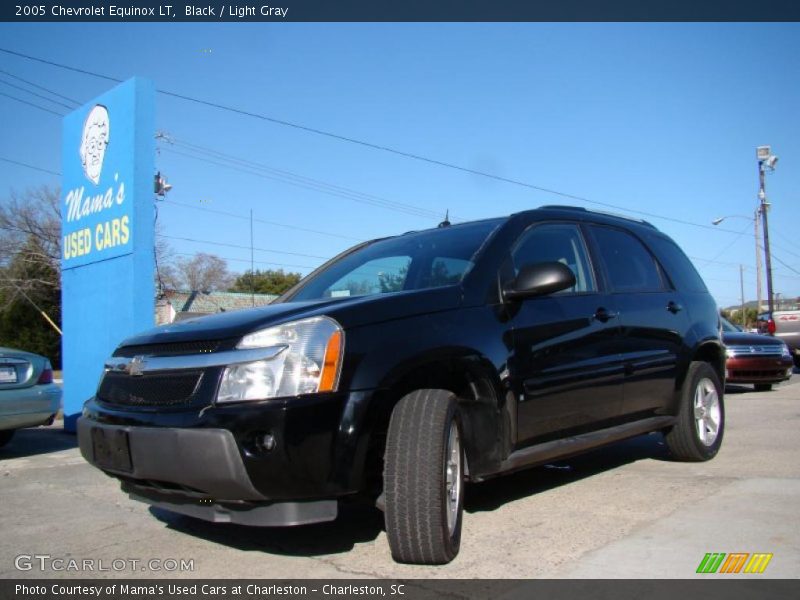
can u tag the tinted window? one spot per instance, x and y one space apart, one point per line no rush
678 266
729 327
446 270
629 265
556 242
413 261
374 277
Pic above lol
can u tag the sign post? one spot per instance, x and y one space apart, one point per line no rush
107 217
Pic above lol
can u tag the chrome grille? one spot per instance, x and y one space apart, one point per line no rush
763 350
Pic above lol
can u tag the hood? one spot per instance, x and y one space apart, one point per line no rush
749 339
349 312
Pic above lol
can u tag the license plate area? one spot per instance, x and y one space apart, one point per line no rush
111 449
8 374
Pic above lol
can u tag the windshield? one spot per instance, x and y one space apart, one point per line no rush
413 261
729 327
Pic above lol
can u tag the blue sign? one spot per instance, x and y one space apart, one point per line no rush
107 216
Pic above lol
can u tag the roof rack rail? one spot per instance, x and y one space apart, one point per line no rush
564 207
598 212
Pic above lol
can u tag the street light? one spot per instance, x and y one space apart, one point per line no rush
766 160
754 219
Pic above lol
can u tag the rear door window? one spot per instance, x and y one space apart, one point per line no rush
628 264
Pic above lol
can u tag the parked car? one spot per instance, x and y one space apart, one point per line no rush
783 324
755 358
407 365
28 396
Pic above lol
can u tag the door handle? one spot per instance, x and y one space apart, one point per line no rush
674 307
603 315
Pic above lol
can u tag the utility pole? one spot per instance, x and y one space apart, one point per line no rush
757 222
766 160
741 285
252 264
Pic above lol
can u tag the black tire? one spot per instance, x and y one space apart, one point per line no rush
684 438
415 479
5 436
763 387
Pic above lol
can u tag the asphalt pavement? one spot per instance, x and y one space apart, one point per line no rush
625 511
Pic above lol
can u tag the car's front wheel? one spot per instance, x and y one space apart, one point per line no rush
5 436
423 479
697 434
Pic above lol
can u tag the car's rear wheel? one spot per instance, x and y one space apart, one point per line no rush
763 387
697 434
5 436
423 478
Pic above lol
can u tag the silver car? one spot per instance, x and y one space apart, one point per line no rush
28 396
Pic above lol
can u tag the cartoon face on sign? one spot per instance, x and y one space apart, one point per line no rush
96 135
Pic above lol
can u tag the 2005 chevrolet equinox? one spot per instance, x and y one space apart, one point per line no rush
408 365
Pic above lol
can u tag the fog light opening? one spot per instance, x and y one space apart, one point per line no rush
266 442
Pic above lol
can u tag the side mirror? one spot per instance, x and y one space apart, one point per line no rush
539 279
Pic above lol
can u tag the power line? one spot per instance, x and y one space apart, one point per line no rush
185 239
21 164
373 146
716 262
30 83
300 184
370 198
364 144
774 245
785 237
239 216
19 87
785 264
726 248
55 64
31 104
247 260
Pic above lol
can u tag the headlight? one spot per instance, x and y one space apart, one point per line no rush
785 352
310 362
729 352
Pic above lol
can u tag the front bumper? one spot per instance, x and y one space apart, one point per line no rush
215 452
206 461
758 370
204 478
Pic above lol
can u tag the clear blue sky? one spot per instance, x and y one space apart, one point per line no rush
662 118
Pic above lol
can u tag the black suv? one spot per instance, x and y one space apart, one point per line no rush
408 365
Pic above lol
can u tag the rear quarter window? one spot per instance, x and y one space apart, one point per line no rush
678 266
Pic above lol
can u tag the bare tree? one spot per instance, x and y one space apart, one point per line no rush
30 243
203 272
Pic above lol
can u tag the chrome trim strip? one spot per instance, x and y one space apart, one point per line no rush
147 364
8 360
753 350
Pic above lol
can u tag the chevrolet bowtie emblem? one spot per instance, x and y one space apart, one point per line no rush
135 368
